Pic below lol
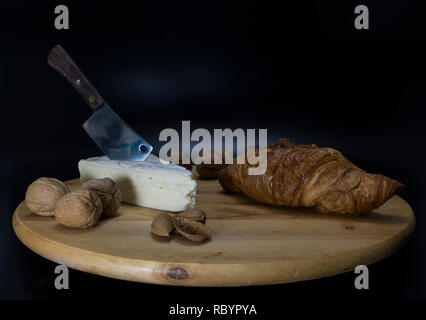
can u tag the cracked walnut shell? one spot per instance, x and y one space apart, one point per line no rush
191 229
43 194
79 209
162 225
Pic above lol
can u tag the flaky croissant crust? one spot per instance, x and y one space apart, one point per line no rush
309 176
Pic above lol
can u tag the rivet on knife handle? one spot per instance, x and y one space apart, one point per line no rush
59 60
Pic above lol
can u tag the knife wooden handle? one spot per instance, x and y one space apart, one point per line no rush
59 60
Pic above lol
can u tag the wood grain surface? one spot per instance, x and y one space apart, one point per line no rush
251 243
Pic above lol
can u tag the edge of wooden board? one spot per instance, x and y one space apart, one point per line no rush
207 274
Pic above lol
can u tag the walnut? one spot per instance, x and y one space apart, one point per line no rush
79 209
226 181
109 193
211 170
42 195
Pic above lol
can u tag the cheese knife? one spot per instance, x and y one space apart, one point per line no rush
110 133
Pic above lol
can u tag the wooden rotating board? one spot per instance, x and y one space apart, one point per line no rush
251 244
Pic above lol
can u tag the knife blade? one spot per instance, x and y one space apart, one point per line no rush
110 133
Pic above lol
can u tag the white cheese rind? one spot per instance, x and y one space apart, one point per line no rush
149 183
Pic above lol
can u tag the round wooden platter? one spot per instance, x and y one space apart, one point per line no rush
251 243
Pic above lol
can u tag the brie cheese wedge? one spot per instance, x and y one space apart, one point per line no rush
148 183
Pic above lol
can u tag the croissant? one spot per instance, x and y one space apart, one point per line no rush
310 176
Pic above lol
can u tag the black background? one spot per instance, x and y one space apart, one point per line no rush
299 69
